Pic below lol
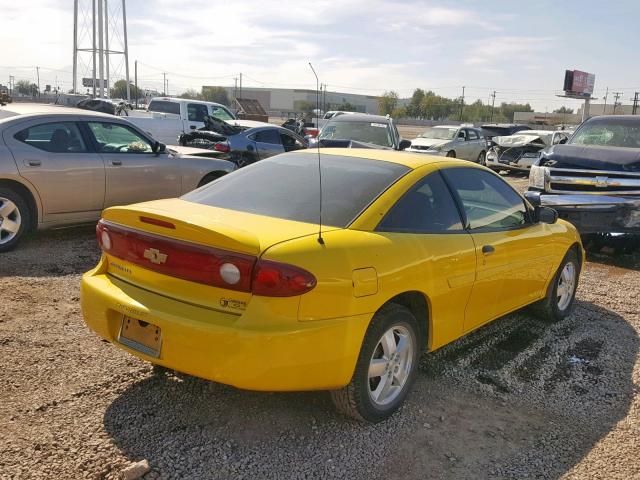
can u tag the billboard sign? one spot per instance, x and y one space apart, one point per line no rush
577 82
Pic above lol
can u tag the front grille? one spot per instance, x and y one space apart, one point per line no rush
593 181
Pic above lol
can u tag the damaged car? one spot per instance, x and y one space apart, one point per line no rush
518 152
243 141
593 180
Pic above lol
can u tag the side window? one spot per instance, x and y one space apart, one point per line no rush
290 143
268 136
427 207
462 135
160 106
488 201
196 112
221 113
60 137
473 135
117 138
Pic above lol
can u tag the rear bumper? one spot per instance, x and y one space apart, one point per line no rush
250 351
593 213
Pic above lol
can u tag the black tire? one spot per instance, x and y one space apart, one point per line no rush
451 154
482 158
549 308
210 177
20 214
355 399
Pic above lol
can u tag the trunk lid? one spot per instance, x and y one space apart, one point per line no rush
188 234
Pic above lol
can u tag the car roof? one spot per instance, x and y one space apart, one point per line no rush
411 160
20 114
360 117
185 100
42 108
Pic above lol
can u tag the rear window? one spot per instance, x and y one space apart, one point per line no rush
161 106
286 186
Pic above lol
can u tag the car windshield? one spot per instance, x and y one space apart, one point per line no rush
366 132
439 133
286 186
608 133
220 113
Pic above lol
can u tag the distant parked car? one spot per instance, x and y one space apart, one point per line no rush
360 130
491 130
63 166
243 141
97 105
519 151
452 141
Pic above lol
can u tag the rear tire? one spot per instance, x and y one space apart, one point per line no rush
482 158
15 218
561 292
385 369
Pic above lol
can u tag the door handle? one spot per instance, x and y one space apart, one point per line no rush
34 163
488 249
116 162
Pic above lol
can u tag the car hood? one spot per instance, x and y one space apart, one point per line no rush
428 142
520 140
592 158
326 143
190 152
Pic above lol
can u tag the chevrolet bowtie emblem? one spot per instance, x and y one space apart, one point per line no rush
155 256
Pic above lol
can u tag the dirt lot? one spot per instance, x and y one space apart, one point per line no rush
520 398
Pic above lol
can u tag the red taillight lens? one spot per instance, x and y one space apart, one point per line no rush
274 279
196 263
222 147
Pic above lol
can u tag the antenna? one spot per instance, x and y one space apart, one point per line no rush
320 239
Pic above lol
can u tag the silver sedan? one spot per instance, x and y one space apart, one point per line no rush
452 141
63 166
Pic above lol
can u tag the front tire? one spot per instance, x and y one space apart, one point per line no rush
15 218
385 369
561 293
482 158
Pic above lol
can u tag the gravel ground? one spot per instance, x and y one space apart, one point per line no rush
520 398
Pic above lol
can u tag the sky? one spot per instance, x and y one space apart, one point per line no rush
518 48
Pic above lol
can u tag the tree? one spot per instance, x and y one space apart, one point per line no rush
507 109
346 107
563 109
414 109
119 90
190 94
25 87
388 102
304 106
215 94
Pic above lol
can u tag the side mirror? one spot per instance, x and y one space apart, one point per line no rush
158 148
563 141
404 144
546 215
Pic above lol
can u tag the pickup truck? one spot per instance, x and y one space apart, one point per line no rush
593 180
167 118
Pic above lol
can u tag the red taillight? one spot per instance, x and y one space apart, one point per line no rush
274 279
201 264
222 147
196 263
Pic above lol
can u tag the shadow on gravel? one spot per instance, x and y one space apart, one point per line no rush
518 398
53 253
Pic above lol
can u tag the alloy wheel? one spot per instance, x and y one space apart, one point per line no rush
390 365
10 220
566 285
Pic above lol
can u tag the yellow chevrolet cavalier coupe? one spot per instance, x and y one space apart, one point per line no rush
237 282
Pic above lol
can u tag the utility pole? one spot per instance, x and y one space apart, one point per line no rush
135 67
493 103
101 49
635 103
240 84
604 110
164 84
126 50
616 95
38 73
235 87
94 46
75 45
462 104
11 82
106 51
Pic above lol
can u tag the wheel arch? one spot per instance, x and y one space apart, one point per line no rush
211 176
420 306
29 197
